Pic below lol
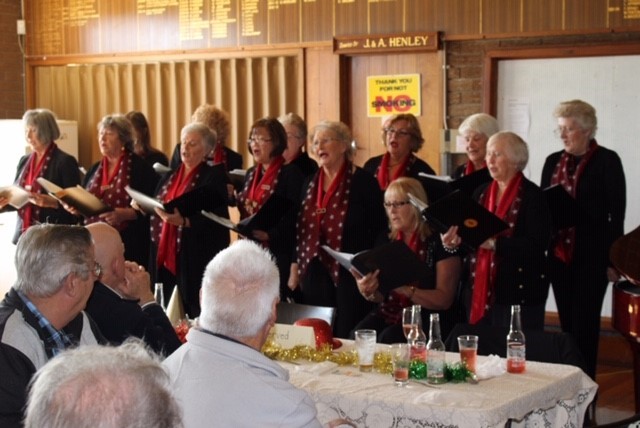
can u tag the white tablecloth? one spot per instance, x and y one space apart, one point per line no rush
546 395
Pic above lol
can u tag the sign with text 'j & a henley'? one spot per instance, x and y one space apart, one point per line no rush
393 94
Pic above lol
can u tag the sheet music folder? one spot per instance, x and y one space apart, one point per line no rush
438 187
188 203
397 263
563 208
266 218
475 223
77 197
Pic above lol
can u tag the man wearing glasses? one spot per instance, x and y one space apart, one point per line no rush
42 314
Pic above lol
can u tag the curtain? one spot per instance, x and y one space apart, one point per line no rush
167 93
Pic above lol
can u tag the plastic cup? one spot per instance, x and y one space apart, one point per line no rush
468 345
366 348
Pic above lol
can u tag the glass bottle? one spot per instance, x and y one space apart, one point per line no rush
435 352
516 349
159 294
416 338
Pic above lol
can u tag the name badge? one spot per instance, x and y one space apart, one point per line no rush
289 336
105 187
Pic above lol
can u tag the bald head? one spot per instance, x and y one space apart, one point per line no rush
109 252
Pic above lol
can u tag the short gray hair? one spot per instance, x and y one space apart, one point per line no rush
209 137
481 123
47 253
44 121
102 386
583 113
120 124
517 149
239 288
342 134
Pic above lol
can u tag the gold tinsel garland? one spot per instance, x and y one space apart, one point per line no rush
381 360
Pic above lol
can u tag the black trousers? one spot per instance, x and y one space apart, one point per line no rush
579 292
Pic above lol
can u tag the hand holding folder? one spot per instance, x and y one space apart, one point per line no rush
266 218
188 203
475 223
76 197
17 196
398 265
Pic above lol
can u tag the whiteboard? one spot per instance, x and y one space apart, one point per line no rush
529 89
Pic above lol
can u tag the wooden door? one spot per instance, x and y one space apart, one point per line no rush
367 130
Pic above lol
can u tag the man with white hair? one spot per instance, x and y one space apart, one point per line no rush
102 386
42 315
220 376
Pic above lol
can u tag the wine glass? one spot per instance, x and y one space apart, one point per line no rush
408 322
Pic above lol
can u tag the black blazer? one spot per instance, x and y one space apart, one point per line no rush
136 235
119 318
63 171
601 198
521 275
203 239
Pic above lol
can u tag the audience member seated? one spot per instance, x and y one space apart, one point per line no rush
122 303
219 375
41 314
106 387
435 293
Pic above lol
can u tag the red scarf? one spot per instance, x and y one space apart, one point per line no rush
27 180
220 156
484 264
316 228
169 239
383 170
568 175
110 188
470 168
259 187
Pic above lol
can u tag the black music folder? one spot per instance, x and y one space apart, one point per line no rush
188 203
438 186
563 208
77 197
397 263
237 176
475 223
266 218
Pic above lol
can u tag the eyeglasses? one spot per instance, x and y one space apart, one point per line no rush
561 130
299 137
96 270
399 132
396 204
259 140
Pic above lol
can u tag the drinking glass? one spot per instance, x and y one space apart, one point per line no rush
468 345
407 321
401 359
366 347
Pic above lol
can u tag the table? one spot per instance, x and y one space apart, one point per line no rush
546 395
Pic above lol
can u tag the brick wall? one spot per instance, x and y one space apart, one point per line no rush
465 62
11 64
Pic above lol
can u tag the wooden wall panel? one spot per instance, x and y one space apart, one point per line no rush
541 15
386 17
451 16
585 14
351 17
501 17
317 21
